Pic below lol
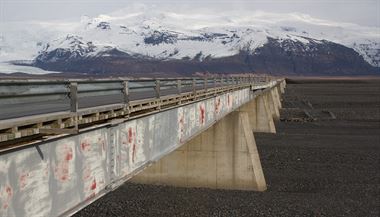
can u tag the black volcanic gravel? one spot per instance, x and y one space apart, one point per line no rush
325 167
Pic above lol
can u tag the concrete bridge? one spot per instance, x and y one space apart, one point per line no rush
57 159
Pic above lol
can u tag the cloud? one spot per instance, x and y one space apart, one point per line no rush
364 12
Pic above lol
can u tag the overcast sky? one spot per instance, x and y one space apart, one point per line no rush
363 12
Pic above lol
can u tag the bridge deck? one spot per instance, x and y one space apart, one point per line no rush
26 119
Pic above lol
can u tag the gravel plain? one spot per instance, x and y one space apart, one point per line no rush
323 161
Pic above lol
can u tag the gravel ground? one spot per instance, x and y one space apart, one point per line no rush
326 165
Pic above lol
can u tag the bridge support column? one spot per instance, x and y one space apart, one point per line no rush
273 103
282 86
224 157
278 95
260 115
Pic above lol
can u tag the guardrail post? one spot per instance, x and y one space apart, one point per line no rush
179 86
157 88
193 85
74 102
214 85
74 97
126 95
205 84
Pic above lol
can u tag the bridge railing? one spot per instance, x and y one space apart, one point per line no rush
114 98
19 92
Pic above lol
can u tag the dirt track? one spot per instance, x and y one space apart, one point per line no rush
324 161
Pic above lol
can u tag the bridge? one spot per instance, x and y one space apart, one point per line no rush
64 144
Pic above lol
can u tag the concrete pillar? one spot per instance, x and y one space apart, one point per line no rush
224 157
260 115
264 117
282 86
273 104
276 101
278 95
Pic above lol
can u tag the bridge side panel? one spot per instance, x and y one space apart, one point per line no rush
51 178
62 176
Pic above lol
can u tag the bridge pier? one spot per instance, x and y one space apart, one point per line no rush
261 113
223 157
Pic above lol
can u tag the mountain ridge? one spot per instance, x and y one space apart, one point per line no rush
272 43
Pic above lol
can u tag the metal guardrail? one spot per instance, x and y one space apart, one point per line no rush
72 91
15 92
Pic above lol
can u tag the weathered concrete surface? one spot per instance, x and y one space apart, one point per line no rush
260 115
224 156
264 116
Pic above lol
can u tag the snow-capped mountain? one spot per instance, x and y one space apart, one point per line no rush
165 40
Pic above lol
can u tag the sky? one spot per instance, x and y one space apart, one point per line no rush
362 12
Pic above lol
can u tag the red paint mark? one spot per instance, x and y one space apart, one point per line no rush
85 145
203 115
181 122
93 185
62 170
134 148
217 106
9 191
133 152
86 173
229 101
69 155
64 175
23 180
130 135
181 127
131 141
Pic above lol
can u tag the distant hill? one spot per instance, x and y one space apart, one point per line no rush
160 42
